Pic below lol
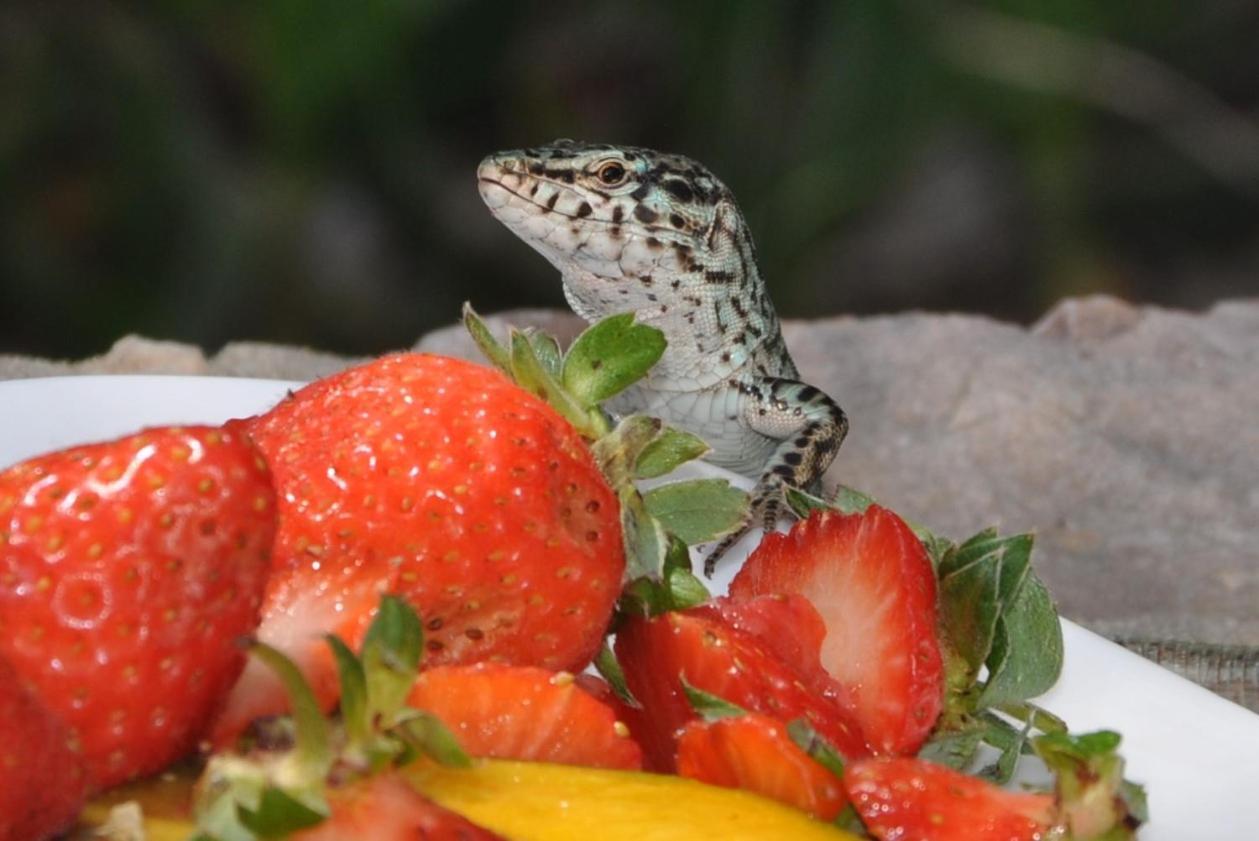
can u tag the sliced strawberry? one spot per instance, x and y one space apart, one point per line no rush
310 612
903 798
754 753
128 571
387 808
42 780
445 483
789 626
870 579
521 712
701 647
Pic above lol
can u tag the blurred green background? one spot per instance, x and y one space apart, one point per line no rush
302 170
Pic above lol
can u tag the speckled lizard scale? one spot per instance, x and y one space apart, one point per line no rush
633 230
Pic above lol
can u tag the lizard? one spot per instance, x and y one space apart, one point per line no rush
632 229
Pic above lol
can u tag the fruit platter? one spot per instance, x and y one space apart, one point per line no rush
431 598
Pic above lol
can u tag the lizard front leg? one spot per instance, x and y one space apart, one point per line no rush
809 425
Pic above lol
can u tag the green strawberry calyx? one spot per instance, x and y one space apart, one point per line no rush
278 784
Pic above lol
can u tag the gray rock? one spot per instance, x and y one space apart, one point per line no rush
1124 437
129 355
276 362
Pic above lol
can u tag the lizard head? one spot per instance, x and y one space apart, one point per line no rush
612 211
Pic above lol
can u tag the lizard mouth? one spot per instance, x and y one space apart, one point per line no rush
650 230
532 201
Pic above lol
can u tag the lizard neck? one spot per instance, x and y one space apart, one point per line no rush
712 307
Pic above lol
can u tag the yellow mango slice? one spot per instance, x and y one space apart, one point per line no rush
532 801
536 801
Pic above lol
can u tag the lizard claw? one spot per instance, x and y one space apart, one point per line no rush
767 504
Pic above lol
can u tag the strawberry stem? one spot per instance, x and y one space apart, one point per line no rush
391 658
311 759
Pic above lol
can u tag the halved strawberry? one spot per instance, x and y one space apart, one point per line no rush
128 570
903 798
388 808
521 712
872 582
42 780
445 483
706 651
789 626
755 753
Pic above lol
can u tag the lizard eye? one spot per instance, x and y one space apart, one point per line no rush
612 174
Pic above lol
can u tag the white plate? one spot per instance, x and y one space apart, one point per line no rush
1197 754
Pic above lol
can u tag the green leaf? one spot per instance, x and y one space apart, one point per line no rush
678 588
1010 742
819 750
804 503
686 590
490 347
646 542
698 510
610 356
278 814
391 656
610 668
671 449
938 548
354 710
850 501
531 374
644 597
1081 747
1026 657
976 581
619 450
848 820
428 734
547 348
1038 717
708 706
955 748
312 754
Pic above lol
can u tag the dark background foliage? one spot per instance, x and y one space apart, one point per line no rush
301 170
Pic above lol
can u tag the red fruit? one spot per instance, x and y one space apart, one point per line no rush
440 481
914 799
790 627
700 646
128 570
386 808
42 780
870 579
521 712
754 753
631 715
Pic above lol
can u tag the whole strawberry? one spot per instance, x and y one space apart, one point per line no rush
440 481
42 780
128 570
